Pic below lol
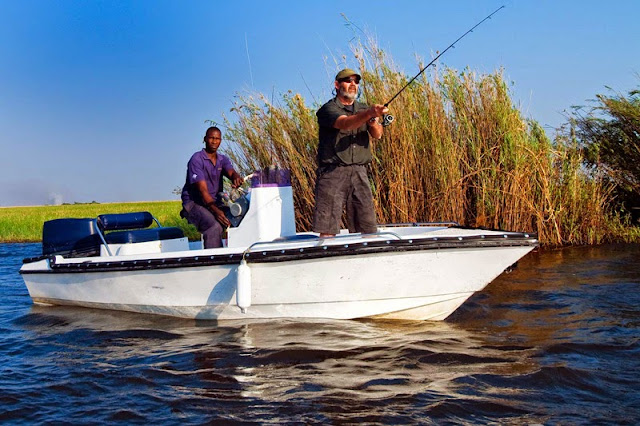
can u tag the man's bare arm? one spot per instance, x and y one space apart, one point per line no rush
350 122
210 204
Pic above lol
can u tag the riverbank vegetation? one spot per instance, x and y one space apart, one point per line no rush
459 150
24 224
608 134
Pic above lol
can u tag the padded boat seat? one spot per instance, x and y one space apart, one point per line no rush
119 221
143 235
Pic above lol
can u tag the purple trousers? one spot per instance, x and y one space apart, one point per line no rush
205 222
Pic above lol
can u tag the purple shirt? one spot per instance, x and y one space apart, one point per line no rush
200 168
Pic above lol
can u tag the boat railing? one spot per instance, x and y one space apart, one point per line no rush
381 233
398 225
304 238
101 234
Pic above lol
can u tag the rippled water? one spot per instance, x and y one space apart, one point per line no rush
555 341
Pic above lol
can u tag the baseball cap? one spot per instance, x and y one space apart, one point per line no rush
347 72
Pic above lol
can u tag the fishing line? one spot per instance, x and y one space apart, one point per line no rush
388 119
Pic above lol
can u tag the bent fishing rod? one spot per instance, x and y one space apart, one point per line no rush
388 119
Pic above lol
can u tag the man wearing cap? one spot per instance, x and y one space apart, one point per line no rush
345 126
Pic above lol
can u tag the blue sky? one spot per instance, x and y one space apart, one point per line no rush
107 100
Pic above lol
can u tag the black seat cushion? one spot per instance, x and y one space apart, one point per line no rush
119 221
70 237
143 235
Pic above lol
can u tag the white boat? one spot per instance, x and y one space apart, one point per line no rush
267 270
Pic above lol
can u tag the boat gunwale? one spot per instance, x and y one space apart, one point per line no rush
271 255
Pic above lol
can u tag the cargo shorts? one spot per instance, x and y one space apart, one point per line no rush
338 187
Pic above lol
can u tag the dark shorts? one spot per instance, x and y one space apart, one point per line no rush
340 187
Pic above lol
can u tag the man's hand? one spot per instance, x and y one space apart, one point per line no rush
350 122
220 216
374 126
377 110
237 181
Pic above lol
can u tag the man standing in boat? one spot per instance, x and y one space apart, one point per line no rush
201 203
343 153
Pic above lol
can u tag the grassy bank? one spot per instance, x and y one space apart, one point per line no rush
24 224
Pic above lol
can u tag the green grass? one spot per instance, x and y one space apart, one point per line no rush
24 224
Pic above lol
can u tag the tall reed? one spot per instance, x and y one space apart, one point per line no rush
459 150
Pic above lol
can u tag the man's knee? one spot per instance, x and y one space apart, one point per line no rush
213 236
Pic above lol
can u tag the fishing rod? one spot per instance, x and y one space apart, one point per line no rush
388 119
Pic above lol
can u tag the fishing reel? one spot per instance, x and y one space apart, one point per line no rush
237 205
387 119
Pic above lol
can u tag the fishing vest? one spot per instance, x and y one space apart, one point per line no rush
341 147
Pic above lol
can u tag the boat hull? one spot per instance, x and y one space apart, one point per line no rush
419 284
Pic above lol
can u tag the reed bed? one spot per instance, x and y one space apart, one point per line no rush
459 150
24 224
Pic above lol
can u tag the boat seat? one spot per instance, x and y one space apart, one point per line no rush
113 222
126 228
143 235
72 237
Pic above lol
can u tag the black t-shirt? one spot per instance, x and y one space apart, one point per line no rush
341 147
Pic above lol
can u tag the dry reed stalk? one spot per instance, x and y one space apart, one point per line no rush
459 150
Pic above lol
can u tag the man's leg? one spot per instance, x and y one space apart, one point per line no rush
361 211
213 236
206 224
330 199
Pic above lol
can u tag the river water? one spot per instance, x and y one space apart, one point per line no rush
555 341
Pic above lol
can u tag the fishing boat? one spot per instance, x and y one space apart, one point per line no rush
128 262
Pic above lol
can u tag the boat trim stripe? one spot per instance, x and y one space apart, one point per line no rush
295 254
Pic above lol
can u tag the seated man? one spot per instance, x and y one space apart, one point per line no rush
201 204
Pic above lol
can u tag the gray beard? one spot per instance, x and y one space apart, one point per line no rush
347 95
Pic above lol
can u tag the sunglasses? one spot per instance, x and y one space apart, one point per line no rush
352 79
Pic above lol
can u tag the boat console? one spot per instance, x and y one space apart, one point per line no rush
270 212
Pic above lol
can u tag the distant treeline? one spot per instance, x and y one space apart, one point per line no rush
77 202
459 150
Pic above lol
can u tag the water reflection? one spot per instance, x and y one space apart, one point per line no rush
555 341
283 360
